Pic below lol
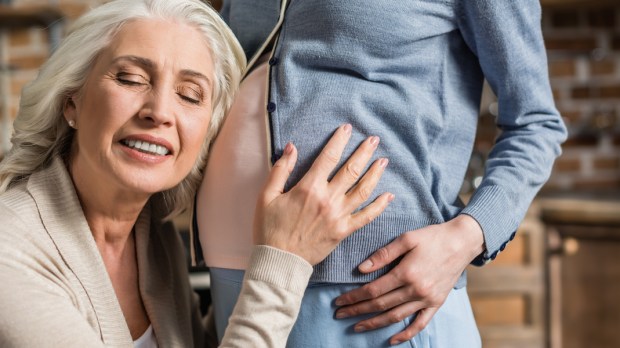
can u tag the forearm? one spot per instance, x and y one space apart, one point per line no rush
270 299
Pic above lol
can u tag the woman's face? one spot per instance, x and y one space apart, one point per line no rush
144 111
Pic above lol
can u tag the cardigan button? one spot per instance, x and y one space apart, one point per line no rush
273 61
271 107
512 236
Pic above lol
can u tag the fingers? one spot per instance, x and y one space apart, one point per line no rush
279 173
387 254
395 315
352 169
361 192
390 300
374 289
370 212
419 323
329 156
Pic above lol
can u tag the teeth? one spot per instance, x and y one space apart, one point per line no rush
146 147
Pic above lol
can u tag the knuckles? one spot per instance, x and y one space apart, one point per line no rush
353 171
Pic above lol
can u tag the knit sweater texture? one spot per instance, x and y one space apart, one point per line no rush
411 72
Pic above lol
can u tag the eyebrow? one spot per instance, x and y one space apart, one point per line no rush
148 64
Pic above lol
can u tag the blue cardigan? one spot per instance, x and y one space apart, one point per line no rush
412 72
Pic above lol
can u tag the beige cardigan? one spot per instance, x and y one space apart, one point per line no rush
56 292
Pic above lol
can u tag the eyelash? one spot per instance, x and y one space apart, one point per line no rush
120 78
190 99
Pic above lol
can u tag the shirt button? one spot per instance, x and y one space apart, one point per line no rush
273 61
271 107
494 255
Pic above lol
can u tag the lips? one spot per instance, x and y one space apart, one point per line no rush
148 145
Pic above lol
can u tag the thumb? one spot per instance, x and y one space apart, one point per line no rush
280 173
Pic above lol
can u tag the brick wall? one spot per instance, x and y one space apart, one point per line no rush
583 45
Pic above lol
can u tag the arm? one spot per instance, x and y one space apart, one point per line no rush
506 37
35 310
297 229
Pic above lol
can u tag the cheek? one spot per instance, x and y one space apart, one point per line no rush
194 136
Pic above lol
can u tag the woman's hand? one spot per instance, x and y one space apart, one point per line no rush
315 215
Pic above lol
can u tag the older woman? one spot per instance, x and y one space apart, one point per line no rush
110 139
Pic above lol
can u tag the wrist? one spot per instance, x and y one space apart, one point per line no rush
471 235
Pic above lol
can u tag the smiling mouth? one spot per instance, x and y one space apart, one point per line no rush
146 147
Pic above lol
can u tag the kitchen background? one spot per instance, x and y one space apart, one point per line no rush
558 283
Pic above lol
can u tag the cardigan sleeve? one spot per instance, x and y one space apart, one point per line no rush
507 39
270 299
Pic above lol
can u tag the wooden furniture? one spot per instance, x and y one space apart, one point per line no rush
584 271
508 295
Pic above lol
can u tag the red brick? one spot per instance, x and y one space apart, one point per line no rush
571 116
31 62
556 94
73 10
603 67
566 165
598 92
583 92
610 91
606 163
564 19
562 68
597 184
581 140
602 18
19 38
585 45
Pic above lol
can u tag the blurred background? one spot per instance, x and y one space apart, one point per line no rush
558 283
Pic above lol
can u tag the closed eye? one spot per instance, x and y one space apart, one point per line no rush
131 79
190 94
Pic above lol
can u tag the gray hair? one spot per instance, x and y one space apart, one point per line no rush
40 130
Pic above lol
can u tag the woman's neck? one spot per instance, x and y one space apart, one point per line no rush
110 211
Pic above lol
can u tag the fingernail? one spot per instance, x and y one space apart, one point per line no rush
390 197
340 315
374 140
347 128
366 265
384 162
395 342
339 302
360 328
288 149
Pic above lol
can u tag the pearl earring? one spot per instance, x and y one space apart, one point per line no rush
71 123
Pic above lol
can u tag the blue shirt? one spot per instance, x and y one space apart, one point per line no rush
412 72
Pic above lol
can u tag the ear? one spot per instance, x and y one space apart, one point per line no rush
69 109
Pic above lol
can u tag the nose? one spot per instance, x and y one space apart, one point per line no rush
158 109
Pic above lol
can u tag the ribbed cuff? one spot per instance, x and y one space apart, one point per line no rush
493 210
280 268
